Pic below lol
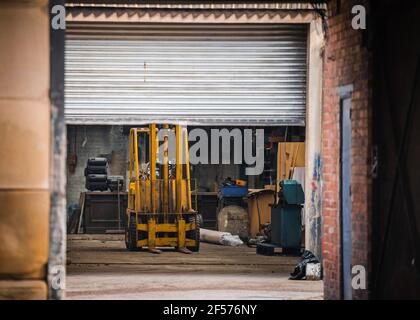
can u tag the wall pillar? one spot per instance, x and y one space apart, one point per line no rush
313 139
24 149
58 212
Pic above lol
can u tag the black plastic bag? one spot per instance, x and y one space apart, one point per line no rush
299 272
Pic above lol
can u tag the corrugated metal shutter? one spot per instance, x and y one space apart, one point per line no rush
204 74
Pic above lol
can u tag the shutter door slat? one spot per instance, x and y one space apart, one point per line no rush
204 75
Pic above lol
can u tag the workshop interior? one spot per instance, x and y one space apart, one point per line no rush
209 150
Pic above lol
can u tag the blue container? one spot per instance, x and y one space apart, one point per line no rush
233 191
292 192
286 224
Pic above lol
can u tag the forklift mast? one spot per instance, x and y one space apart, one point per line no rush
160 212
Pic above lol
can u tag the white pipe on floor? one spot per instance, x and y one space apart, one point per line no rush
218 237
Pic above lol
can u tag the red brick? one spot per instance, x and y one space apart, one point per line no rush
346 61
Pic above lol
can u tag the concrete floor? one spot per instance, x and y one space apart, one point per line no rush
99 267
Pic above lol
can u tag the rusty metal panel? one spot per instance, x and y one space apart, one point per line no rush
198 73
207 206
279 12
98 5
101 212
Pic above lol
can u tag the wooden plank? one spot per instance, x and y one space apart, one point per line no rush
289 155
259 211
82 210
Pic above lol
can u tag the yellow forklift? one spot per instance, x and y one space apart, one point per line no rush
160 212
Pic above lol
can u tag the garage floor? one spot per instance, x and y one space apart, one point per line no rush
99 267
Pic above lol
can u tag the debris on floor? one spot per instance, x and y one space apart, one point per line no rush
313 271
303 272
218 237
252 241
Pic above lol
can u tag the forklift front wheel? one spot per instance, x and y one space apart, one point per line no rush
130 235
195 234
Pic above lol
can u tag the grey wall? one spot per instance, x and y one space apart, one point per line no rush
209 175
98 140
110 139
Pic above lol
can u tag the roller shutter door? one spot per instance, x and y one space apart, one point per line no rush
201 74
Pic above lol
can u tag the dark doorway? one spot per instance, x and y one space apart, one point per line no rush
396 150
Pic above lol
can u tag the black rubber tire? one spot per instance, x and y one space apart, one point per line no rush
95 170
97 161
195 234
130 235
96 186
100 178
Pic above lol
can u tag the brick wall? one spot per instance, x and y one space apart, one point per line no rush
99 140
347 61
